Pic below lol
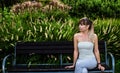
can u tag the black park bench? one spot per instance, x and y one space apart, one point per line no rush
60 52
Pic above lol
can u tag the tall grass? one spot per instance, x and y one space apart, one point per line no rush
108 30
29 27
39 27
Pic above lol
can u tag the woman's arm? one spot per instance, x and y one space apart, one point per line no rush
75 54
97 54
96 51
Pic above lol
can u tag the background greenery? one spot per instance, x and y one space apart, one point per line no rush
57 21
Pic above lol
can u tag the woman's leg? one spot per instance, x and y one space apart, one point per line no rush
81 70
83 64
84 70
91 63
80 67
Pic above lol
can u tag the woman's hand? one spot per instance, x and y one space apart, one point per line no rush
101 67
68 67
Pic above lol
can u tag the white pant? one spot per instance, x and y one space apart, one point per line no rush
82 65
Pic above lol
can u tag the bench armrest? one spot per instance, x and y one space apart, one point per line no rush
110 58
4 62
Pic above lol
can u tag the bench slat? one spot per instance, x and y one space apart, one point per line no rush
46 68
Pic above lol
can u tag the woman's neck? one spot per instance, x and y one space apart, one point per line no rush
85 32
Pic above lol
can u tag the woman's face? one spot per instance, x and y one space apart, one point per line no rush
83 27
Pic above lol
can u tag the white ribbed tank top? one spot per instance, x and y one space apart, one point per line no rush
85 50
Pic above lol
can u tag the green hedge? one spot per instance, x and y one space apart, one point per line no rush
94 8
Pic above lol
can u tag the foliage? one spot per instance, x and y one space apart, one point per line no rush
117 66
108 30
57 25
89 8
36 26
94 8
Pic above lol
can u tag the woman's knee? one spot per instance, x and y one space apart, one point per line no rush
84 70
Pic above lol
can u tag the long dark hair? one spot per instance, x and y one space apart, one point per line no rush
85 21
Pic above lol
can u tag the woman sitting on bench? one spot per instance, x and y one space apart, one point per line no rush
86 53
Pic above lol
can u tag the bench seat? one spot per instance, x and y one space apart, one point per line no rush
46 68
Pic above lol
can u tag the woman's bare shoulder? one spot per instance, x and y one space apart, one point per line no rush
95 39
95 35
77 34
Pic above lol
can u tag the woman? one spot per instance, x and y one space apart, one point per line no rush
86 53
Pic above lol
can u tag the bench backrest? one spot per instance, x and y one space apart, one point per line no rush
54 47
103 50
44 47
